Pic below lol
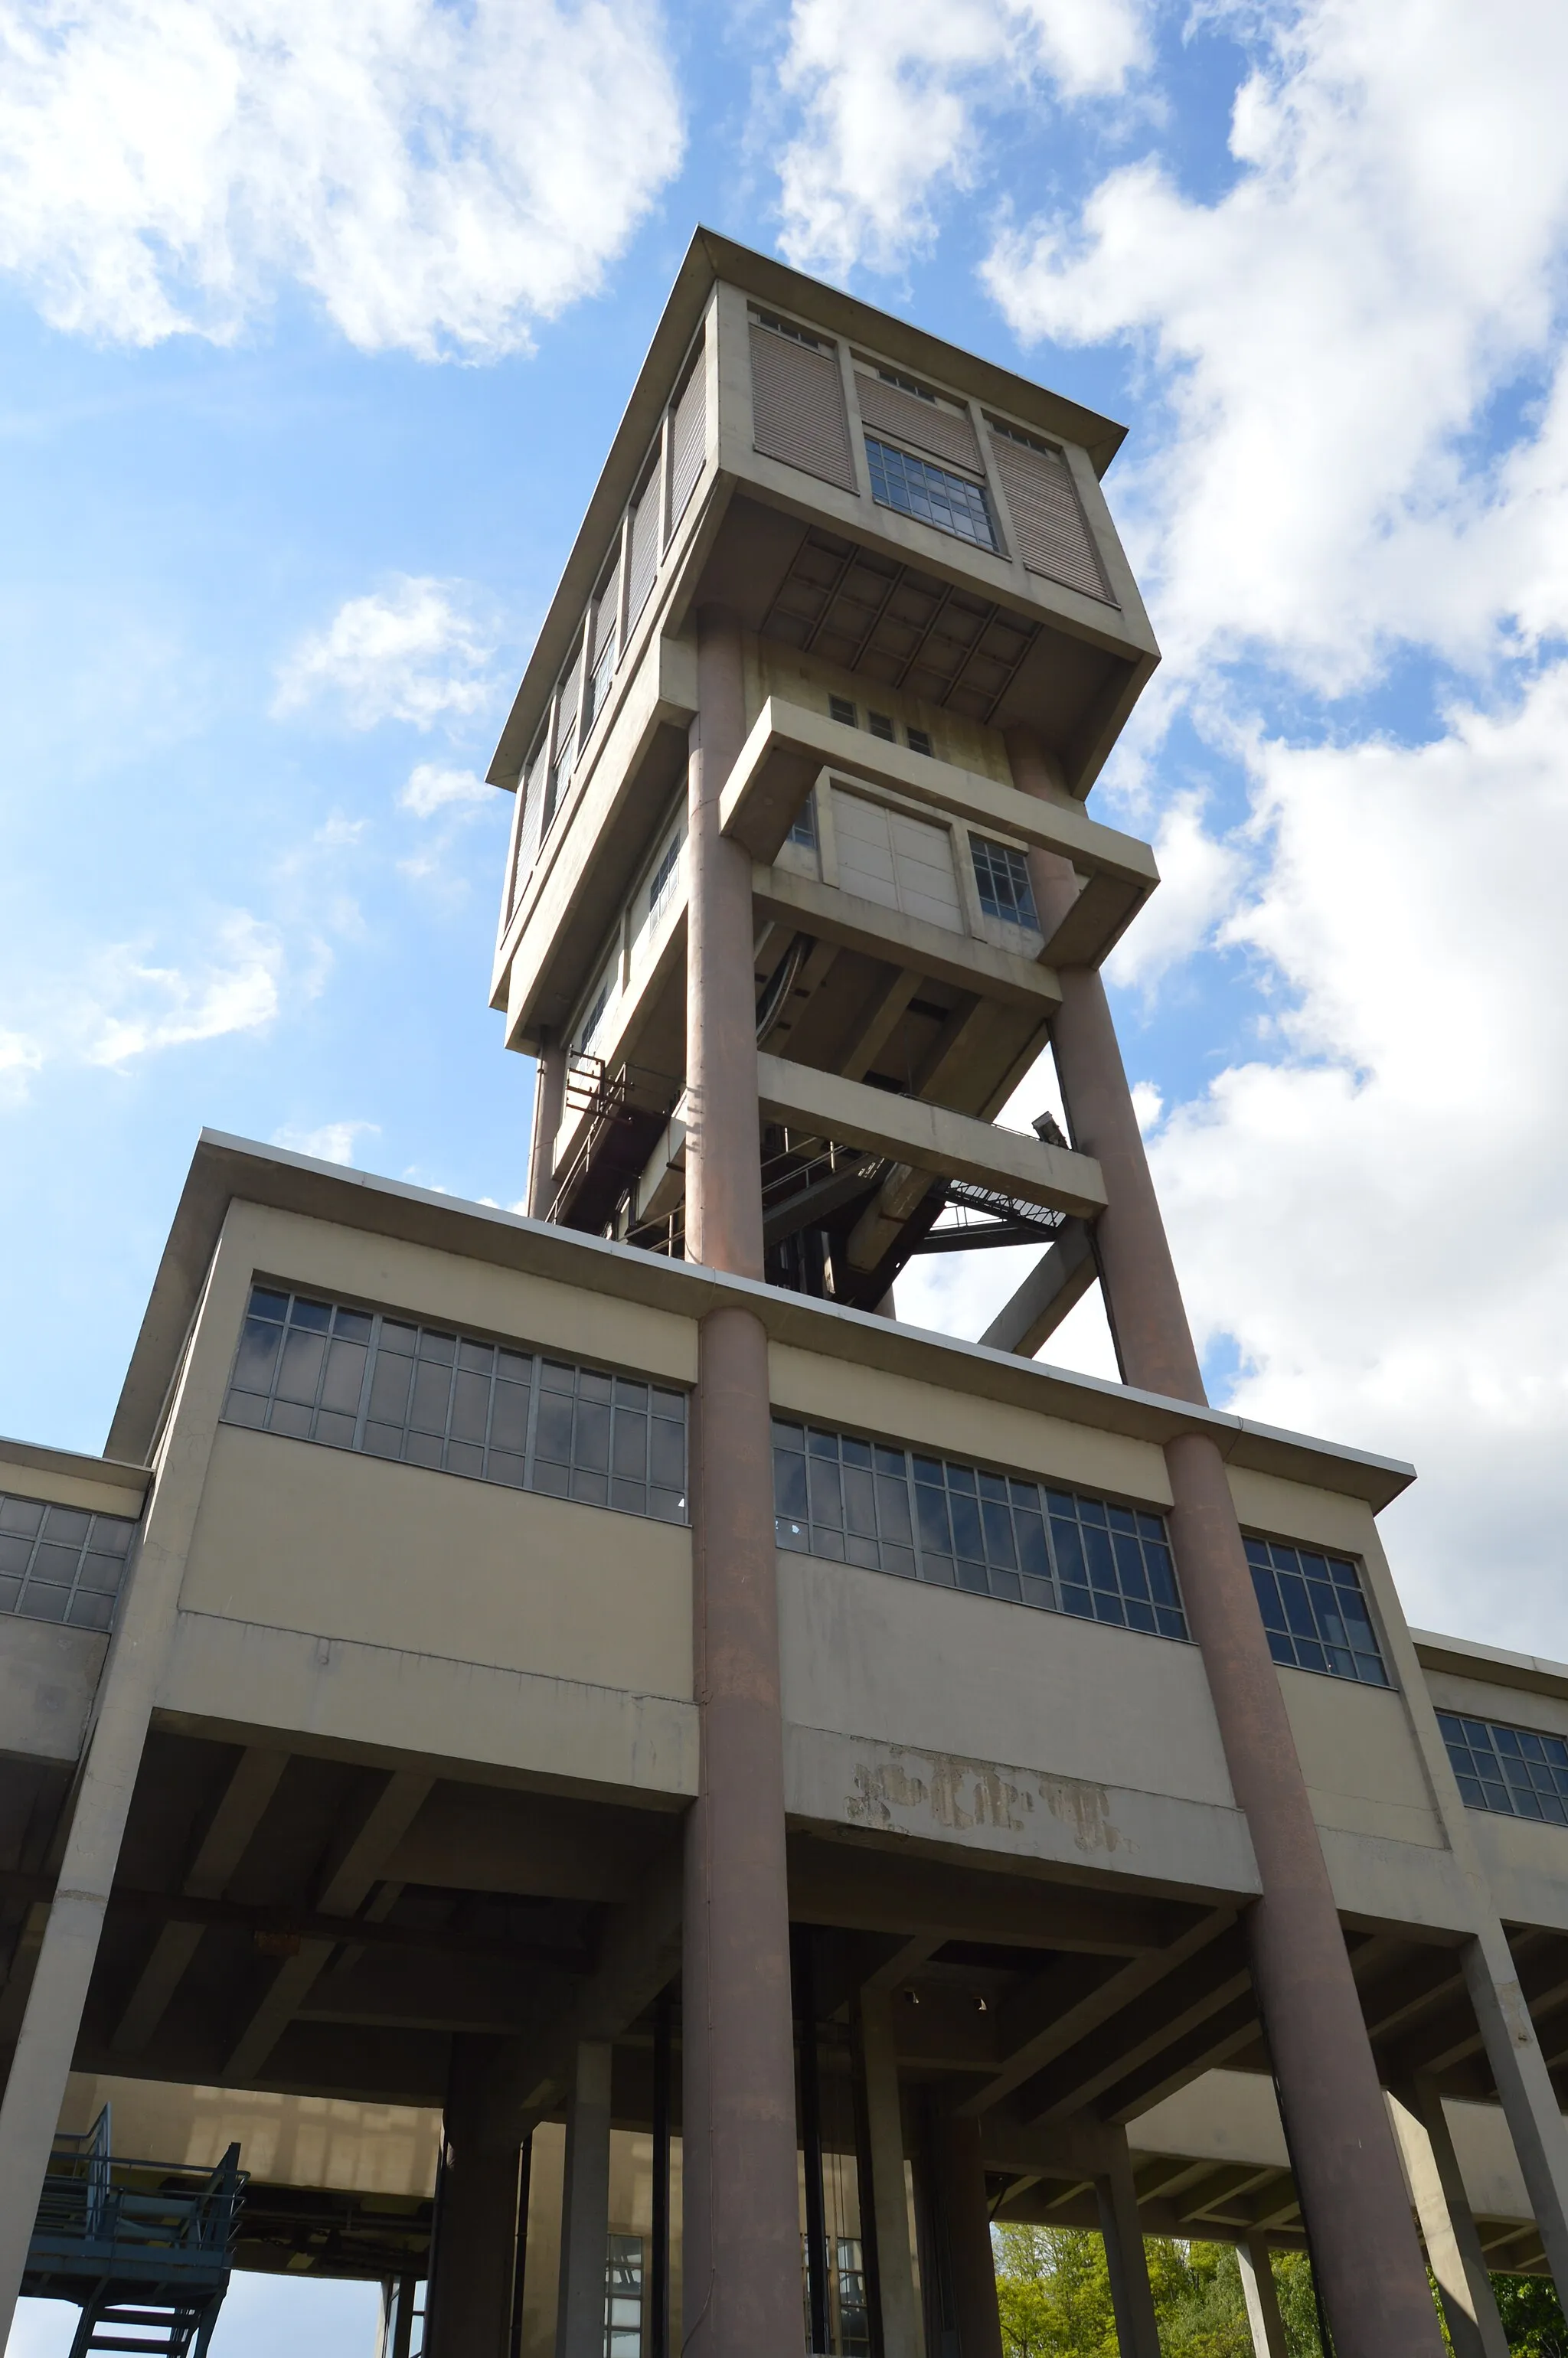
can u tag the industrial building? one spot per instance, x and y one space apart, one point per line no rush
649 1797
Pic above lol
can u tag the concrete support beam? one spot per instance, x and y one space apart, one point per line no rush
1453 2250
888 938
223 1845
344 1891
927 1137
1137 2331
468 2307
1262 2295
1524 2089
902 2334
585 2207
1057 1283
960 2175
549 1094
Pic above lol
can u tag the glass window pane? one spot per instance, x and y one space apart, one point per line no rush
432 1390
315 1315
470 1405
259 1345
301 1369
509 1417
266 1304
389 1388
345 1377
592 1447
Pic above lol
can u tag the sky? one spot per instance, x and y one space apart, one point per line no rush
315 325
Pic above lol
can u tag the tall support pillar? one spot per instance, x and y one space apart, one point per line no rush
1370 2271
1137 2329
468 2305
549 1096
741 2266
1262 2295
1453 2250
967 2230
887 2199
585 2207
1524 2090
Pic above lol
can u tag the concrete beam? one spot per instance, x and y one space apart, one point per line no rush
876 1892
1207 1980
928 1137
1447 2225
1262 2295
1057 1283
585 2205
347 1885
900 2335
222 1847
1137 2329
806 905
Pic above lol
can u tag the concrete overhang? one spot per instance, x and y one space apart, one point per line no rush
707 259
789 747
1465 1657
103 1485
225 1169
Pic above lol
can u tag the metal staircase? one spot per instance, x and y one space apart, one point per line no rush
144 2248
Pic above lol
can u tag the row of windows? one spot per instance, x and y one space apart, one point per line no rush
429 1396
844 709
1510 1770
961 1527
60 1564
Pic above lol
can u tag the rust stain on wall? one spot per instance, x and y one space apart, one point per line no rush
914 1791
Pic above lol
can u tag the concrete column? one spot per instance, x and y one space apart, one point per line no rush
1453 2250
585 2208
474 2266
741 2251
549 1093
889 2203
1137 2332
1262 2297
1525 2091
966 2221
1370 2270
35 2090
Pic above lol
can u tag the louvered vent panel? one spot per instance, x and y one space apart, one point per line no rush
943 432
798 408
532 789
688 441
605 607
643 557
1052 535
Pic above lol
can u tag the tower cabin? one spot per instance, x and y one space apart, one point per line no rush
916 558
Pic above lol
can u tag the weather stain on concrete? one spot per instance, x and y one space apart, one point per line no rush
916 1793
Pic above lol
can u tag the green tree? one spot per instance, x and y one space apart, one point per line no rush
1054 2293
1532 2317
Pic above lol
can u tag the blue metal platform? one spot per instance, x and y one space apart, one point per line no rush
144 2248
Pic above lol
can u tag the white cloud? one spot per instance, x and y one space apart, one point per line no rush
431 789
435 176
1379 1217
330 1141
1327 332
1199 875
118 1006
892 91
410 653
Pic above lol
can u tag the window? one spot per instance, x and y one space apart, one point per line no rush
1314 1613
787 327
595 1016
662 881
840 708
1002 876
61 1563
919 741
623 2296
933 494
388 1387
881 724
907 384
961 1527
1509 1769
804 831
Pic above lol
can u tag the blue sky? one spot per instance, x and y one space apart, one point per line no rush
315 327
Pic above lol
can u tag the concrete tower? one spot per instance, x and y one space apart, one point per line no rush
645 1792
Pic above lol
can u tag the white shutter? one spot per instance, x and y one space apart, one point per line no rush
899 862
1053 535
688 438
797 407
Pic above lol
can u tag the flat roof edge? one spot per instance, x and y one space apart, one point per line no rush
1493 1664
224 1169
39 1457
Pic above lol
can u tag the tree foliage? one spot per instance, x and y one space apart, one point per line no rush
1054 2291
1532 2317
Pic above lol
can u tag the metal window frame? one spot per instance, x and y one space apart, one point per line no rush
1499 1775
1041 1485
84 1547
537 1354
1293 1639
